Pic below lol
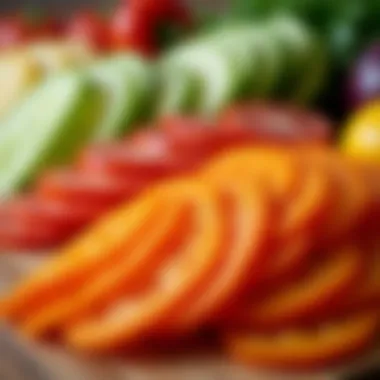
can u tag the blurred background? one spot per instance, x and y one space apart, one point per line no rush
103 99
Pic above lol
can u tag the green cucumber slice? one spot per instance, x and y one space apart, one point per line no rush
48 129
127 84
263 62
313 77
255 57
180 89
214 71
303 59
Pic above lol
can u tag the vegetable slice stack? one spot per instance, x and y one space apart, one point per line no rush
64 201
232 248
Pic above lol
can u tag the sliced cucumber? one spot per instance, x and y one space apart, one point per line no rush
264 62
302 57
48 129
255 56
127 84
313 77
215 72
180 89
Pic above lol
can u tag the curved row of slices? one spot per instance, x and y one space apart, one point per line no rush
274 249
109 98
66 200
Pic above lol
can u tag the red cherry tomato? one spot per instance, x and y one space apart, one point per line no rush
263 122
13 31
88 27
163 10
48 27
131 31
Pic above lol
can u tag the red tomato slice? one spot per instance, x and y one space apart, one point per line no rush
196 137
62 218
18 234
263 122
129 161
169 287
84 188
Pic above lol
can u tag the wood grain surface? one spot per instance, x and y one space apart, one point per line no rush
21 360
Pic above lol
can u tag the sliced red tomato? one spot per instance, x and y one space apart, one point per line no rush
16 234
279 123
313 348
65 215
199 137
130 161
88 189
169 287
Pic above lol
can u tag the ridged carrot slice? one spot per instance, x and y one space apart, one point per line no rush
119 278
86 256
274 168
247 217
351 197
133 317
315 348
327 282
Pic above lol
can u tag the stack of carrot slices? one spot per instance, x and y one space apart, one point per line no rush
276 250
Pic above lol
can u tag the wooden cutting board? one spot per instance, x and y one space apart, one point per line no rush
21 360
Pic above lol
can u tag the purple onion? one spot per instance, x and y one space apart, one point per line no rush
364 78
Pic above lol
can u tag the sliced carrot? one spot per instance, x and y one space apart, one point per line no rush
367 293
307 298
274 168
310 203
122 277
87 256
371 176
306 349
247 216
351 198
173 282
291 256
